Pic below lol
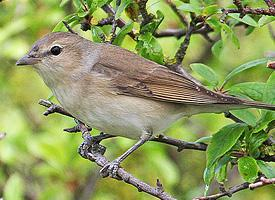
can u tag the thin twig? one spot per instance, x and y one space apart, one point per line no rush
68 27
120 23
254 11
263 181
240 7
143 11
180 15
269 3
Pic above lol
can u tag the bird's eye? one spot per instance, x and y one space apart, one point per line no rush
56 50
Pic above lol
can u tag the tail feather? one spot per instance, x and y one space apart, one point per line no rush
256 104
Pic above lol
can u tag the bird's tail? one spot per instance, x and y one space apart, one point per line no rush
256 104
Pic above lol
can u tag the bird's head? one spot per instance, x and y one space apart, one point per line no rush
58 56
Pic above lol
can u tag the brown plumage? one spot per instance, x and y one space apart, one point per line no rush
119 92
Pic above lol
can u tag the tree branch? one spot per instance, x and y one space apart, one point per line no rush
269 3
93 151
180 15
263 181
143 11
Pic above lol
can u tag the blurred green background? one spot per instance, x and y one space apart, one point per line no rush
40 161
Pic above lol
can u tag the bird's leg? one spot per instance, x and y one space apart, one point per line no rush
112 167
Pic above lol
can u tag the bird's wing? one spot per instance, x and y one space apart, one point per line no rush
144 78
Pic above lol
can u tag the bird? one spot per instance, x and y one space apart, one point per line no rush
119 92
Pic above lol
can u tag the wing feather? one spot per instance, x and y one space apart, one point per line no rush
134 76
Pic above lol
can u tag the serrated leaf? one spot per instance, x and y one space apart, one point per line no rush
229 136
253 90
265 20
266 169
206 72
248 168
244 67
122 33
217 48
246 19
14 188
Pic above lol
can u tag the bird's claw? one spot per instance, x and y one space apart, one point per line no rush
110 169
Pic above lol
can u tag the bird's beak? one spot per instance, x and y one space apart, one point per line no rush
27 60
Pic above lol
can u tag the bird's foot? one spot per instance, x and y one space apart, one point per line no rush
110 169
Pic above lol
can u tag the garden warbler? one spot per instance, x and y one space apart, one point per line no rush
118 92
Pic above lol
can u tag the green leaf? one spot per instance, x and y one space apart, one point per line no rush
190 8
254 141
63 2
214 23
246 19
121 8
97 34
246 116
265 20
208 176
221 169
217 48
148 47
266 169
248 168
210 10
229 136
122 33
244 67
69 19
14 188
228 32
206 72
253 90
268 97
154 24
206 139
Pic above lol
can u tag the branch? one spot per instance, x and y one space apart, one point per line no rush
263 181
269 3
240 7
143 11
254 11
174 8
93 151
120 23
